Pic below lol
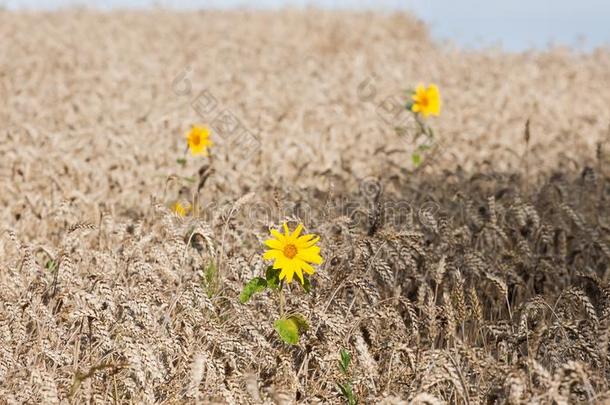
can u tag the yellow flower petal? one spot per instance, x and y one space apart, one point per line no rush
297 231
307 267
307 241
281 262
277 235
298 266
273 254
298 272
181 209
310 255
289 269
274 244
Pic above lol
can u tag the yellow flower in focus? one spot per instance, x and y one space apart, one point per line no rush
180 209
292 253
427 101
199 141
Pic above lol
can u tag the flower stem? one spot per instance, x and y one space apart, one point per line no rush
282 300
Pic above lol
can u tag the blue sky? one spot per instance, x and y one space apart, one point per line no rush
516 25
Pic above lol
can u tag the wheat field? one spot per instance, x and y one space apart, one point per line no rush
479 276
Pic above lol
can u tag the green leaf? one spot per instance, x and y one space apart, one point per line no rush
347 392
257 284
273 277
400 131
181 161
416 158
346 359
288 330
306 284
209 279
301 322
210 273
51 265
410 102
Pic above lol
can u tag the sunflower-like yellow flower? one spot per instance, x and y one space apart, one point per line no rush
198 140
292 253
426 101
181 209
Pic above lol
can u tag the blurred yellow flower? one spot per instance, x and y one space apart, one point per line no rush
180 209
426 101
292 253
199 141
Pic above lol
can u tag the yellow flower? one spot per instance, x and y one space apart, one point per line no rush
426 101
181 209
293 253
199 141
